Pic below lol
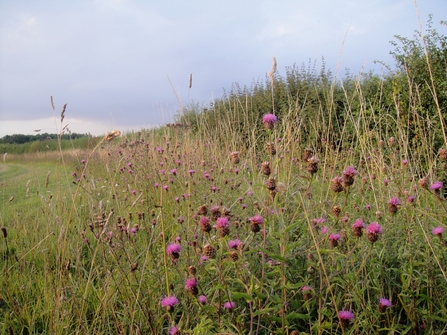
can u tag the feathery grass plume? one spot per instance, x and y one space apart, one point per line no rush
272 72
63 112
47 179
51 102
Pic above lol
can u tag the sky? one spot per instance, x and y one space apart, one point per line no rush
126 64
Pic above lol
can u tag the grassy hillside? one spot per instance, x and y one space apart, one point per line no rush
322 218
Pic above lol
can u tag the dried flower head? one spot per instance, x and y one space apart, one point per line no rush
265 168
235 157
337 184
209 251
348 176
312 164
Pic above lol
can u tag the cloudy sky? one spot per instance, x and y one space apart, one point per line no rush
120 64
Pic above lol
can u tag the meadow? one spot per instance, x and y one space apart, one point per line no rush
306 217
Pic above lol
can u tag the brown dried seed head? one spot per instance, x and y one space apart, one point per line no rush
265 168
209 251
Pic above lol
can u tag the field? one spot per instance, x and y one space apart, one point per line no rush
326 216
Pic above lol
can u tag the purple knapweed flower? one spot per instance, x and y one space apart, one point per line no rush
393 205
438 231
318 221
191 284
334 238
229 305
169 302
436 187
257 219
324 230
345 317
222 222
234 244
174 250
384 303
269 120
202 299
374 230
174 330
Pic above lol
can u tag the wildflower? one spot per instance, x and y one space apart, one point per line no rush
269 120
436 187
191 286
393 204
202 299
438 231
306 292
191 172
337 184
174 172
174 250
234 244
312 165
357 227
410 199
271 184
318 221
271 149
348 176
384 304
83 161
423 182
235 157
307 154
208 252
374 230
265 168
256 221
442 154
174 330
345 317
223 226
324 230
334 238
229 305
169 303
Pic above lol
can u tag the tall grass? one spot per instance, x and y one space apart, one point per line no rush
330 221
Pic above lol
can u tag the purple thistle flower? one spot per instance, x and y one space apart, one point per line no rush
173 248
230 305
257 219
374 228
169 301
306 288
436 186
350 171
269 119
394 201
358 224
346 315
234 244
438 231
202 299
173 330
324 230
222 222
385 302
334 237
318 221
191 284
